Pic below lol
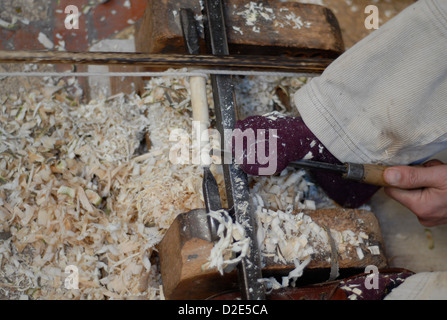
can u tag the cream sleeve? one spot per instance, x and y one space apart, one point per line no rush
385 99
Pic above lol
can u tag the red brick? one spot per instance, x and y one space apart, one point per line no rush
112 17
5 36
75 39
26 38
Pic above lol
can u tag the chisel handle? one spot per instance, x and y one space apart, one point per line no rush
199 98
367 173
374 174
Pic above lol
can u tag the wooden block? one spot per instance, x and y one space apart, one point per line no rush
186 247
262 28
357 221
183 251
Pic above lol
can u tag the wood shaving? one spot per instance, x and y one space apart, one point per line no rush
257 15
257 97
232 245
43 39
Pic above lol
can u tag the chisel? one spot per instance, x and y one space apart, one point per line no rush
366 173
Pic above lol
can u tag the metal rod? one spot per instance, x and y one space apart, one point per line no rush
190 33
236 181
244 62
308 164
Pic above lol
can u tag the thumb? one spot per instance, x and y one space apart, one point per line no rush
408 177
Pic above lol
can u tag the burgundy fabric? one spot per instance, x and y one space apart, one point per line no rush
362 286
386 281
294 142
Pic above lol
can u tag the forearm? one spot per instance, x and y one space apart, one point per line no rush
385 99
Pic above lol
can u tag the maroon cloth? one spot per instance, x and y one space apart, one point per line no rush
294 141
386 281
362 286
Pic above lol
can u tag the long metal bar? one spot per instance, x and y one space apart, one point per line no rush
308 164
236 181
239 62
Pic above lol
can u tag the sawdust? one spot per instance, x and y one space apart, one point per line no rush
23 12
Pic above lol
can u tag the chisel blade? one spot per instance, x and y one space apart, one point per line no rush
308 164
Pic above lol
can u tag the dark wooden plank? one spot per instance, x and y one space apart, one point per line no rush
241 62
186 247
261 28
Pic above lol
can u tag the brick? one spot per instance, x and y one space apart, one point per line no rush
26 38
5 36
114 16
75 39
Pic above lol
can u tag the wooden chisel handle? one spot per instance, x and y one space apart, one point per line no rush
199 99
373 174
367 173
200 113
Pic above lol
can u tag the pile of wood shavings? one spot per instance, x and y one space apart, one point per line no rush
283 233
288 236
291 189
75 191
293 238
232 246
271 94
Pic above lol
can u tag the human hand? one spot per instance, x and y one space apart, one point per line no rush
422 189
295 141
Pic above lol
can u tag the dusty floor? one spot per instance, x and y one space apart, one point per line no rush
408 244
